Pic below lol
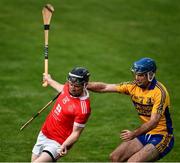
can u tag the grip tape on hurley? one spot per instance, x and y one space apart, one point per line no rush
46 51
46 27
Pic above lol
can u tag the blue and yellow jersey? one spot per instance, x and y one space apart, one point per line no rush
153 100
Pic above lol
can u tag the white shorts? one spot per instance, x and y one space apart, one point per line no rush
45 144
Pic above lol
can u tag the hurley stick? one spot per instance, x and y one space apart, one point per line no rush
47 14
39 112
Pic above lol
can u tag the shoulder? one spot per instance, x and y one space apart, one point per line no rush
66 85
83 111
83 107
161 90
65 89
161 87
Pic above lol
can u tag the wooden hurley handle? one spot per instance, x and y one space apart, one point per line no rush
45 84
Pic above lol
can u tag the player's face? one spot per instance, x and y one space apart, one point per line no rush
75 90
141 80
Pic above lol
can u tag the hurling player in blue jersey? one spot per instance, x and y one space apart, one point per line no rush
153 139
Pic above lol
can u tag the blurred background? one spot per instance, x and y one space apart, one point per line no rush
104 36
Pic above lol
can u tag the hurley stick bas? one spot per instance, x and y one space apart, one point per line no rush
39 112
47 12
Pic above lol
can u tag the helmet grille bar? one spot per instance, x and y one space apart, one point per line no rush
76 76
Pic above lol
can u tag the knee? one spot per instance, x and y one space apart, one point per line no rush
113 157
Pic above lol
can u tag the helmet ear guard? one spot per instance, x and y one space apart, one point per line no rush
150 76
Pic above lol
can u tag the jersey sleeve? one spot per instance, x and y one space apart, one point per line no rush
82 114
124 87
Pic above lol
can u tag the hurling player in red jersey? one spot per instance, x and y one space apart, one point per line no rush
67 119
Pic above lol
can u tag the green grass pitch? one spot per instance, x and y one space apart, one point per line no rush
105 36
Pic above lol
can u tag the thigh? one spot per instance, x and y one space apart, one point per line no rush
147 153
38 147
155 147
44 157
49 153
34 157
126 150
165 145
45 148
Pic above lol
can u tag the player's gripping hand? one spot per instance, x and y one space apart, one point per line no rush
127 135
46 78
62 150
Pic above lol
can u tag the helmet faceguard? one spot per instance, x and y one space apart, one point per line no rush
79 75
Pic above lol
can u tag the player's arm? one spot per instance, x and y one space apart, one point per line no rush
158 110
70 140
101 87
54 84
127 135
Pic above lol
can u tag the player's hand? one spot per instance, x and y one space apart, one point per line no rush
127 135
62 151
46 78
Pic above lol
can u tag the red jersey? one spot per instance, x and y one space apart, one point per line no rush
66 112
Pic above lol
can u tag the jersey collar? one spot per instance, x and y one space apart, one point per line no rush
153 84
86 96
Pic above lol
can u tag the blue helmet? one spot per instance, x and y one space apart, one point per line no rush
144 65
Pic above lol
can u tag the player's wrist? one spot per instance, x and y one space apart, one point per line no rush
50 81
135 133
